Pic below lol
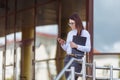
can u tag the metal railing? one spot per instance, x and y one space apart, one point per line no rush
83 72
111 68
72 70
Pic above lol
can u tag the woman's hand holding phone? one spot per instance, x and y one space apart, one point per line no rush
61 41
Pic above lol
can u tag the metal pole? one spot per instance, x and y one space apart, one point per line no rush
111 72
69 77
94 71
72 73
15 47
64 69
84 68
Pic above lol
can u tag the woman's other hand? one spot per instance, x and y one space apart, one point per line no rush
73 45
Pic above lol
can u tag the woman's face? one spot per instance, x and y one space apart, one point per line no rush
72 24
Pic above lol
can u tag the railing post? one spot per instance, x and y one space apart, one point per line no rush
94 71
84 68
111 72
72 73
69 77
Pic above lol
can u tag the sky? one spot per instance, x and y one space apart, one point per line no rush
107 25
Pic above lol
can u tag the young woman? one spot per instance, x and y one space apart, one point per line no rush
76 29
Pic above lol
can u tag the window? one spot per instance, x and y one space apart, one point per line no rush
46 43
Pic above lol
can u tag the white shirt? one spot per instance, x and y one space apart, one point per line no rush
70 35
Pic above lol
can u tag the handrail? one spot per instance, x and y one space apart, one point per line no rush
66 67
111 68
83 72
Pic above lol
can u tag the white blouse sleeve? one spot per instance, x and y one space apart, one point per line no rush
87 46
65 46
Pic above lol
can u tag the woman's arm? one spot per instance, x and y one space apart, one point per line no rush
62 43
85 48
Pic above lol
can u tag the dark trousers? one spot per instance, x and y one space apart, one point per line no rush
78 66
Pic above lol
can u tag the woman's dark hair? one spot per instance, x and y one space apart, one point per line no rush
78 22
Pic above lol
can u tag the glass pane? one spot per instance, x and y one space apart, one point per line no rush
41 71
1 57
9 73
106 26
46 34
46 42
52 66
10 52
9 56
10 41
45 70
18 63
107 61
46 31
